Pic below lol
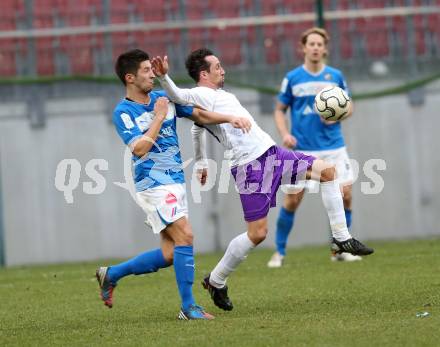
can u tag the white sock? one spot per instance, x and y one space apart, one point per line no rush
332 199
237 251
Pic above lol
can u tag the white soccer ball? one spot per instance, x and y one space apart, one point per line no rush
332 103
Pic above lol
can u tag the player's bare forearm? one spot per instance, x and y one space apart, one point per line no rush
146 142
202 116
288 139
280 121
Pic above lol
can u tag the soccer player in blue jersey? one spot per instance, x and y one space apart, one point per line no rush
146 122
309 134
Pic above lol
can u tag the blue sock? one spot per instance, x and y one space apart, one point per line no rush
348 218
284 225
184 269
144 263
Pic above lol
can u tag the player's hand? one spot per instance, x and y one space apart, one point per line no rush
242 123
202 176
328 122
161 107
289 141
160 66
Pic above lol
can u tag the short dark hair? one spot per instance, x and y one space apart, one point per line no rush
129 62
196 62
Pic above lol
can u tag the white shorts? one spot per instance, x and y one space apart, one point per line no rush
338 157
163 205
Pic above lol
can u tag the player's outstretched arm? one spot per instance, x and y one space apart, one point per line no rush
144 144
198 136
279 115
202 116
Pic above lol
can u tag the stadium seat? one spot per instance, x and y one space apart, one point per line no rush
11 16
268 8
372 3
400 41
272 37
43 13
149 11
7 58
45 54
120 11
82 12
293 34
224 9
195 10
228 43
299 6
420 25
344 39
375 33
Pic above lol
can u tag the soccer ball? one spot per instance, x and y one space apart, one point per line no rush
332 103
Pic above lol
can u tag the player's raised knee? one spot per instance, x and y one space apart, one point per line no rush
181 233
258 235
328 174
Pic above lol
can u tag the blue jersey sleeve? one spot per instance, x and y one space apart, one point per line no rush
285 94
343 84
184 111
126 126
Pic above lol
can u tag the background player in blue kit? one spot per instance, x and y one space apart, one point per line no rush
310 134
146 122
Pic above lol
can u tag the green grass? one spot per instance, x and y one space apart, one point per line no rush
309 302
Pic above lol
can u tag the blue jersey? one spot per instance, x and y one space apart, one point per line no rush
163 164
298 91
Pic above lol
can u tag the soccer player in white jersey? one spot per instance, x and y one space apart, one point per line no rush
309 134
146 123
257 165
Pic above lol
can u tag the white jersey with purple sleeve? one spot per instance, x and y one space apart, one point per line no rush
163 164
298 91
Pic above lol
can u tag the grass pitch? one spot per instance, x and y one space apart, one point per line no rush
309 302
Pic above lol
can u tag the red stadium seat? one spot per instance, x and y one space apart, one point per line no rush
419 34
7 58
45 56
375 34
228 42
299 6
345 48
372 3
293 34
400 32
81 12
224 9
11 14
268 8
44 13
